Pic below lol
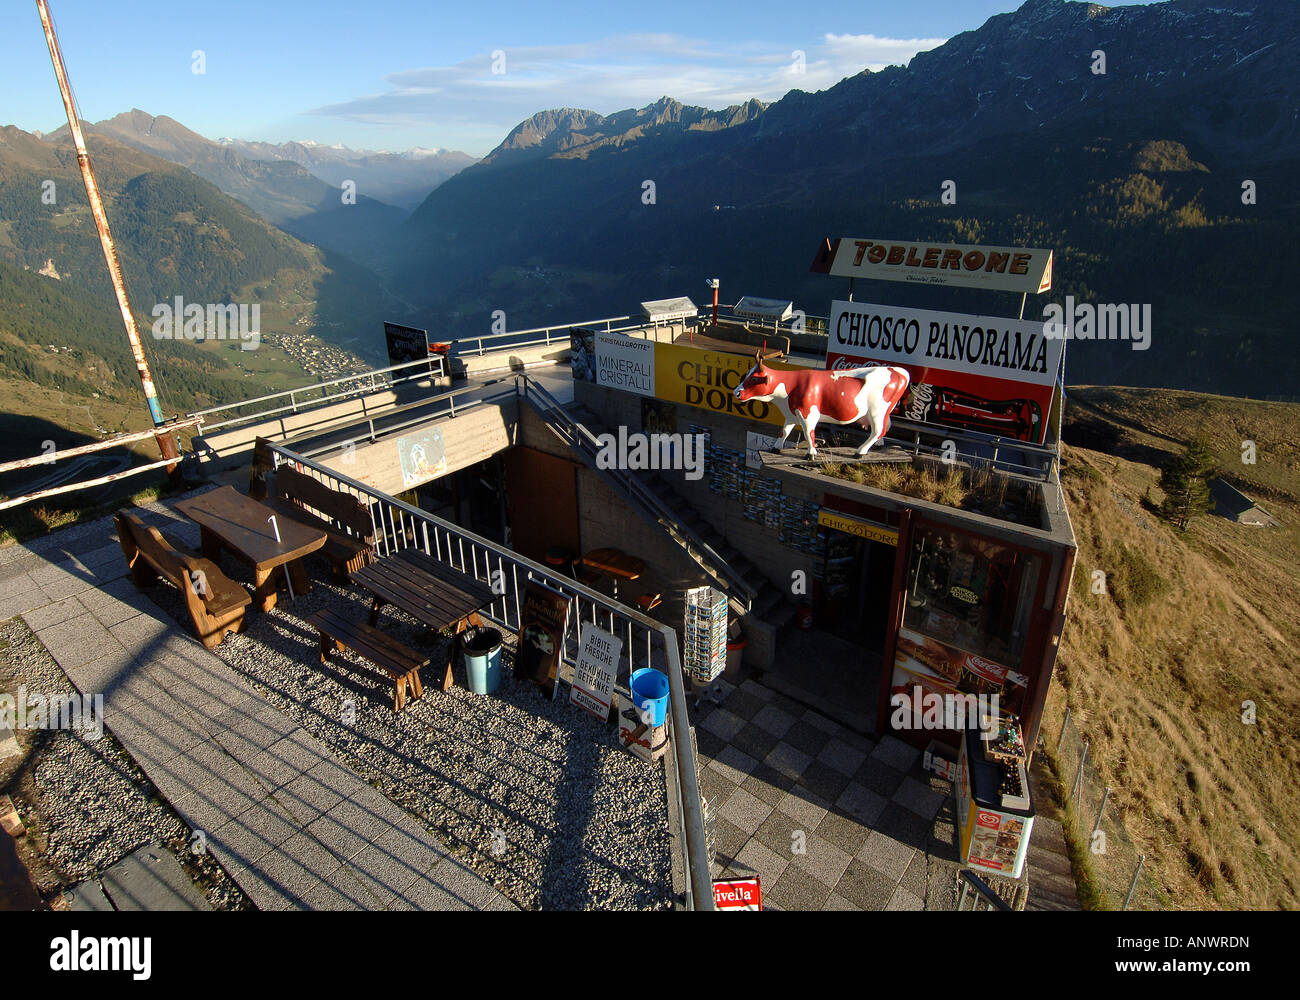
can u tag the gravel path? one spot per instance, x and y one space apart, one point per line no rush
85 803
534 795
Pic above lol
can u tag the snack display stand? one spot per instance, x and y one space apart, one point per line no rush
995 809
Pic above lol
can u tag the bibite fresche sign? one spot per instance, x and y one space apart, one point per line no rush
982 373
1004 269
593 675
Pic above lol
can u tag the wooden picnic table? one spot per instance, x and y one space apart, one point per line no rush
614 563
229 520
429 591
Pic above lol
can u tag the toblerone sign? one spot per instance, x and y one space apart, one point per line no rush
1007 269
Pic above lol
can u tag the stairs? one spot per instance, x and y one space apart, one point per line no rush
762 607
1051 876
768 602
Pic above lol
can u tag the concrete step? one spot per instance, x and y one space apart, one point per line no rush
1056 863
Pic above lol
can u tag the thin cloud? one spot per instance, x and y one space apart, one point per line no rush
611 74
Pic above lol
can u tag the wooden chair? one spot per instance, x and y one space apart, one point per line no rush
648 602
345 519
263 462
399 663
215 602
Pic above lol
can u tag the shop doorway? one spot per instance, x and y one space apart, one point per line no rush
857 580
875 589
542 500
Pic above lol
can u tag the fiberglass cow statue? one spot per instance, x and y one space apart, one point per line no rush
809 395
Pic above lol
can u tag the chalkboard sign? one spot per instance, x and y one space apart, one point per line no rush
406 343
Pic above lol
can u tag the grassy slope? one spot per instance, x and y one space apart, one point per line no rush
1156 674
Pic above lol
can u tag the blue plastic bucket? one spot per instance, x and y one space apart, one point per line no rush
650 693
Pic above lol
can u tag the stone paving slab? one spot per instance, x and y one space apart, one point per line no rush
827 818
294 827
152 880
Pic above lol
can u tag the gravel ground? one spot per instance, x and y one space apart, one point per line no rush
535 795
85 803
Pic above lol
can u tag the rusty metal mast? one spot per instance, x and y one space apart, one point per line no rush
166 438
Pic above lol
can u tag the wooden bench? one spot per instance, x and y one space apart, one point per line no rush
215 602
400 663
350 534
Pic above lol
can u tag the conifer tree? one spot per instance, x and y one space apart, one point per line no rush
1185 482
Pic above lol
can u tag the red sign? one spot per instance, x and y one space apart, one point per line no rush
982 373
738 894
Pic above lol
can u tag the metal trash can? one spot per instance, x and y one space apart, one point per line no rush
481 649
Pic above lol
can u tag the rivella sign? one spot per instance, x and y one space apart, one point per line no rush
1003 269
983 373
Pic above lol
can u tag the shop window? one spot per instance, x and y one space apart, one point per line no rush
971 593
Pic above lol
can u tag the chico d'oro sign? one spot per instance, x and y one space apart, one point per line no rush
1004 269
983 373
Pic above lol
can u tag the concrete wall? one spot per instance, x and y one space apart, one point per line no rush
760 544
606 519
511 359
468 439
230 448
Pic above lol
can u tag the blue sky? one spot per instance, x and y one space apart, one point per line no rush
399 75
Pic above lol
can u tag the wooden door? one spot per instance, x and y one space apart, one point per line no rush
542 501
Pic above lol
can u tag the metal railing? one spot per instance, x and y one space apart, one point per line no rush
299 401
444 404
580 437
116 441
974 447
399 526
558 333
980 894
1116 862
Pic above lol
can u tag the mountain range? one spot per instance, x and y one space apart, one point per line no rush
402 179
1134 175
1134 169
295 186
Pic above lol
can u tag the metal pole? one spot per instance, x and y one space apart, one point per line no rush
166 440
1097 825
1078 778
1134 884
1064 722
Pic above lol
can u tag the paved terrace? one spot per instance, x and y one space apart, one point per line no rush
292 826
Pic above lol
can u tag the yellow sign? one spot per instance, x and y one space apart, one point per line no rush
857 526
708 379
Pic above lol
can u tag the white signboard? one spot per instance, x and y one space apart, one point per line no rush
1010 349
626 363
754 444
1006 269
594 673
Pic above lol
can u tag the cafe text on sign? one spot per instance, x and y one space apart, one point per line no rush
738 894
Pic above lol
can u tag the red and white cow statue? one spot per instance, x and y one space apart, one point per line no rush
809 395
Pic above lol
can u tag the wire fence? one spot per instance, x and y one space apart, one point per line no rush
1116 865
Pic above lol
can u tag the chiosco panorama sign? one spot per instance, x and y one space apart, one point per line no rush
708 380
